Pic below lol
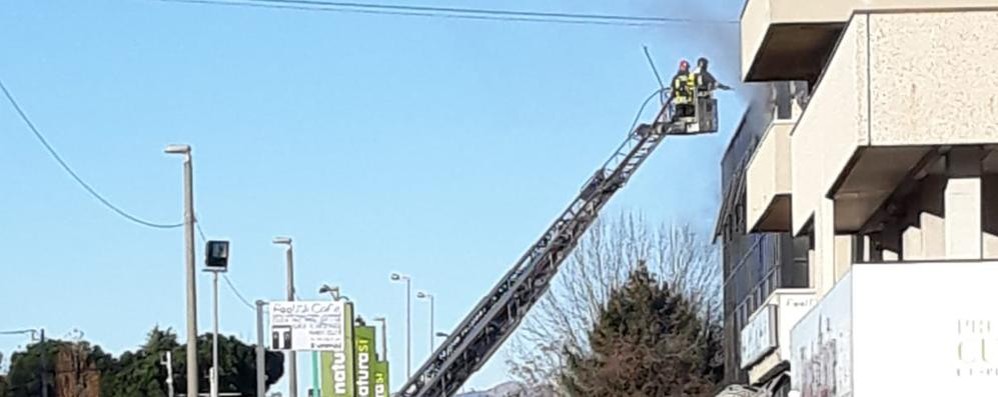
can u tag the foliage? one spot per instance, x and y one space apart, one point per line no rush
561 325
134 373
647 341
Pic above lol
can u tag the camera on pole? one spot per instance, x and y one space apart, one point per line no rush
217 256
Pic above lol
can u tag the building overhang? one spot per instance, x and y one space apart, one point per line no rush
879 111
768 188
792 39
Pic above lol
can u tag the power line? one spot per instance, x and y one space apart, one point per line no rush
237 293
455 12
69 170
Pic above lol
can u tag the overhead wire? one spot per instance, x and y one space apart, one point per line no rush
225 276
55 155
238 294
455 12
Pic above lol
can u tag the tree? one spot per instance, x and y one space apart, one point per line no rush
79 369
560 322
647 341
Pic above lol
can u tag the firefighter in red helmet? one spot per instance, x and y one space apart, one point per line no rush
683 88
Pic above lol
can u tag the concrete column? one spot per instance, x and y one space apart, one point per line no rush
930 218
843 255
962 204
989 232
824 245
962 201
911 243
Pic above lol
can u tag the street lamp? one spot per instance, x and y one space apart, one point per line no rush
384 337
333 292
428 296
292 357
442 334
192 314
216 261
396 277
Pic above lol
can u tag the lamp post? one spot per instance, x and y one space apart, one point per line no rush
261 377
192 314
408 320
292 357
433 329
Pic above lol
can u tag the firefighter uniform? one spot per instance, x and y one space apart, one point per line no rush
683 92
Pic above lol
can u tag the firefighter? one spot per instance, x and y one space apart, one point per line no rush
705 82
683 87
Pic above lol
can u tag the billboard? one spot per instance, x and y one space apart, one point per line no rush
821 346
308 326
364 358
379 379
759 335
901 329
337 362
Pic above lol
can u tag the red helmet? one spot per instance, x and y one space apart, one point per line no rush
684 65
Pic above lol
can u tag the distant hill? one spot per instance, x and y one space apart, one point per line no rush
508 389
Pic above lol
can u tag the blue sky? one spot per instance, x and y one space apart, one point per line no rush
438 148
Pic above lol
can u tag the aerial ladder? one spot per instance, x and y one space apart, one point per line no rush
498 314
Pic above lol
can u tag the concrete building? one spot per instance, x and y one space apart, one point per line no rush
889 173
755 265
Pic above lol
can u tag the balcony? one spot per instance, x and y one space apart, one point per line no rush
792 39
768 181
878 333
880 108
765 340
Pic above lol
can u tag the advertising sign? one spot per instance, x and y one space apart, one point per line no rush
759 336
364 358
307 326
337 362
379 379
821 346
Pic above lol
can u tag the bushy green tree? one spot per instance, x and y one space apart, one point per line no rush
140 372
648 341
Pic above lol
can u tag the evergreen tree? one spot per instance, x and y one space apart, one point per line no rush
648 341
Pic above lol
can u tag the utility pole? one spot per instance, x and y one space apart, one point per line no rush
292 357
261 378
168 363
44 362
192 314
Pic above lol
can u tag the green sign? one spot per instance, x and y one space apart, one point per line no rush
337 364
379 379
364 351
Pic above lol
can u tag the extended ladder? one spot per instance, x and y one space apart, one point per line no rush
500 312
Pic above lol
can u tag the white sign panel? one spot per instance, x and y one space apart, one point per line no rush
902 329
307 326
758 338
821 346
933 325
794 304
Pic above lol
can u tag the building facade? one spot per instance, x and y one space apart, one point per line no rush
754 264
889 177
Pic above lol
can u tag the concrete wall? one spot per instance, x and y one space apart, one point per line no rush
833 125
933 78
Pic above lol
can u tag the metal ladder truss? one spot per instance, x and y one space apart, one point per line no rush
499 313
